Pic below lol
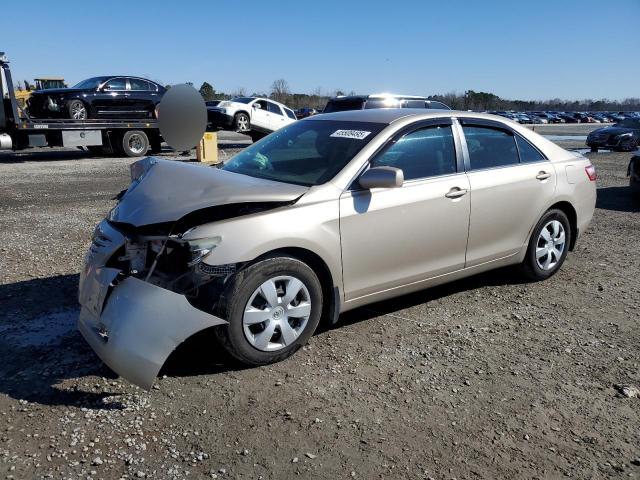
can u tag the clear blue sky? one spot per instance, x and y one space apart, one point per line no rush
536 49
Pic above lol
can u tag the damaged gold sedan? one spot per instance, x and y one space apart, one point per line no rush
325 215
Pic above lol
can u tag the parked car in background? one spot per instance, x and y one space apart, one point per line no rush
251 114
99 97
290 230
522 118
623 136
568 118
212 103
305 112
381 100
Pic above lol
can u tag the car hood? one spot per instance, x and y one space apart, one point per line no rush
55 91
612 130
170 190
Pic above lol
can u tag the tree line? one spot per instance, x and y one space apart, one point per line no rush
469 100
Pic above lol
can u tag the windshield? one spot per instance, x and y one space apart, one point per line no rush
90 83
242 99
309 152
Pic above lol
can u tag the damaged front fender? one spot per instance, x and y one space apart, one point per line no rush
139 326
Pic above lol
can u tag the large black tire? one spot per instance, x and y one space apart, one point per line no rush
135 143
241 122
77 110
530 266
232 337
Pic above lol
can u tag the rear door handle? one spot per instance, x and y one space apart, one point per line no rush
543 175
456 192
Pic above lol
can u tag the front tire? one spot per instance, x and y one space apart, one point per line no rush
548 246
273 307
77 110
241 122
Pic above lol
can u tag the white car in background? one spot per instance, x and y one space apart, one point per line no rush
250 114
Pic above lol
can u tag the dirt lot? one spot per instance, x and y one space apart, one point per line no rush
487 378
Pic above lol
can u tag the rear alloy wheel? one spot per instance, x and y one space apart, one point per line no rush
548 246
241 122
135 143
77 110
273 307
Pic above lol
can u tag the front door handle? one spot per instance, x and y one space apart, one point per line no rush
543 175
456 192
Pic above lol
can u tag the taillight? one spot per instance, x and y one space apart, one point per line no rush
591 172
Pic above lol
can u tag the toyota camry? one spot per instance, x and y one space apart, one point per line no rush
325 215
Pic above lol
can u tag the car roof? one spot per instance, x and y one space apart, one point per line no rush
390 115
346 98
265 98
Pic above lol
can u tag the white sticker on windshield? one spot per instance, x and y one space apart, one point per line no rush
357 134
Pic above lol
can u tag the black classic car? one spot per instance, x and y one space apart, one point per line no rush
98 97
623 136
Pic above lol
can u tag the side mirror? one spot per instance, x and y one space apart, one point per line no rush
256 106
381 177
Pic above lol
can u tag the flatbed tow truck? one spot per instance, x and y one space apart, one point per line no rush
18 131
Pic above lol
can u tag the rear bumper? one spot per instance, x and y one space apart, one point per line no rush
218 119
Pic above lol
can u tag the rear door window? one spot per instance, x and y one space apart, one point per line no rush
139 84
490 147
423 153
273 108
528 153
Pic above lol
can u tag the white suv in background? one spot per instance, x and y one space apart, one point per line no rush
250 114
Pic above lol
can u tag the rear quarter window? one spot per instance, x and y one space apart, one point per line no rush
528 153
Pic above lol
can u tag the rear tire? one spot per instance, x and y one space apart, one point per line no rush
244 306
135 143
630 146
548 246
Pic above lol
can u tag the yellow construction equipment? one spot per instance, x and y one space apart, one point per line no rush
42 83
207 149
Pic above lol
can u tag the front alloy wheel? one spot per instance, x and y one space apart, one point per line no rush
242 122
277 313
273 307
77 110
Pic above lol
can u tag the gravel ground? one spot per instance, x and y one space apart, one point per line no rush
488 377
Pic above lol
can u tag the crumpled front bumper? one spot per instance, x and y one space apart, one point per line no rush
133 325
